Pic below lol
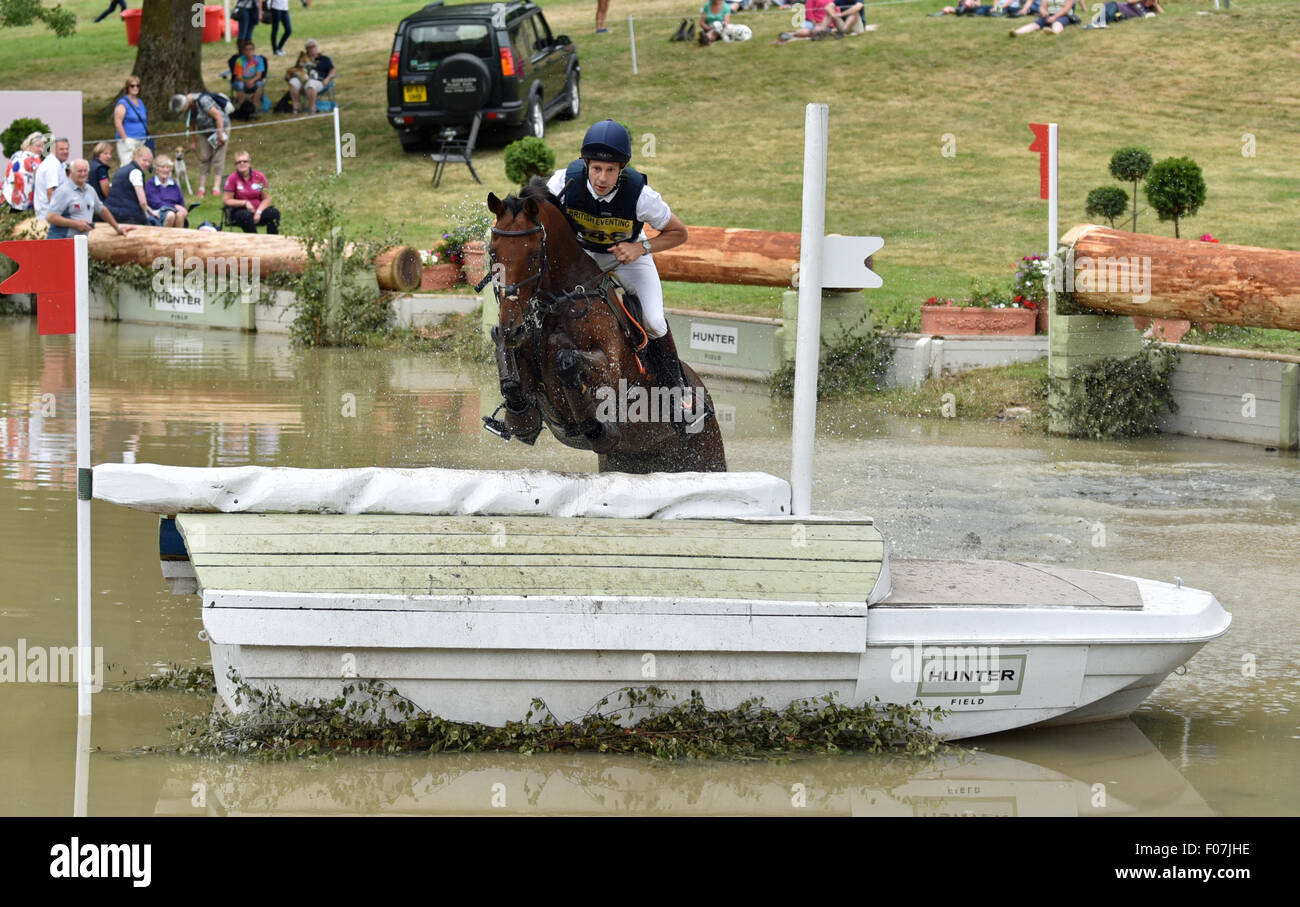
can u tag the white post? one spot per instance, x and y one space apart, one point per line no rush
808 338
85 652
338 142
1051 236
227 5
81 778
631 30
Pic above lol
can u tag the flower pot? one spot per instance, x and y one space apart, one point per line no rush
440 277
1170 330
972 321
1040 321
475 252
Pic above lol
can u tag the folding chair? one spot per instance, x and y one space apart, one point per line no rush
456 151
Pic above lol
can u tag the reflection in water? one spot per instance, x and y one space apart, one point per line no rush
1114 770
1224 517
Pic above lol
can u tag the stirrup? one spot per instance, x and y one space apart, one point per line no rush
497 426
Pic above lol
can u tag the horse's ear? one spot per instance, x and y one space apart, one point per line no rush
494 204
530 208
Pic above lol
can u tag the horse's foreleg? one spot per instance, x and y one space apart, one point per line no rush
575 371
522 418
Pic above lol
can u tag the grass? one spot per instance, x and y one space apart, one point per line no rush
981 393
720 130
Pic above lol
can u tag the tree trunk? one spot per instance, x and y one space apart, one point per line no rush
169 59
736 256
1220 283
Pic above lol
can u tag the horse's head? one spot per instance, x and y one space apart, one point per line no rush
518 255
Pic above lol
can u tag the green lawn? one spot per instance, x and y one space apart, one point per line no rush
726 124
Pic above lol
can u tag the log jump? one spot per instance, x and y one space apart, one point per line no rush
1199 281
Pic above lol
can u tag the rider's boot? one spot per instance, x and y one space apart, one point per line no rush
667 370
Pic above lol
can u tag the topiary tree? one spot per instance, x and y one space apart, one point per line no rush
1109 202
18 130
1131 164
528 157
1175 188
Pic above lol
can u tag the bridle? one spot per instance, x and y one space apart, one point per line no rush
542 302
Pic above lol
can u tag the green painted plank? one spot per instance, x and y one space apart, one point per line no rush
510 545
558 581
532 562
215 524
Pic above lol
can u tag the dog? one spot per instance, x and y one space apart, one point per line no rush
180 171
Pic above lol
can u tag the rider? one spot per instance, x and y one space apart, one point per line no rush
607 202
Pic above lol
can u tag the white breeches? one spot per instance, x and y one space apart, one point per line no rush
642 278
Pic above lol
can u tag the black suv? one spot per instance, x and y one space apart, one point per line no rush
450 62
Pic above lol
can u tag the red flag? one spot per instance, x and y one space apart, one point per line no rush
1041 145
46 267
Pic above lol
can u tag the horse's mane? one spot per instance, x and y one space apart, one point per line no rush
536 190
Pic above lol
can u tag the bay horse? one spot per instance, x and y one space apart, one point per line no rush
565 361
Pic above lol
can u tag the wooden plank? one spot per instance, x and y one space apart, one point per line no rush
215 524
513 546
483 560
553 581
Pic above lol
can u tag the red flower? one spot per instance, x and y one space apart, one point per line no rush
1208 238
1031 305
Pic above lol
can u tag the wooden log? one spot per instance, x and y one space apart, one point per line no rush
1200 281
395 269
731 256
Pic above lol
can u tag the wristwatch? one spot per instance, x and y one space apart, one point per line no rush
645 244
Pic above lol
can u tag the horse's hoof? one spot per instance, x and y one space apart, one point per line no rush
603 438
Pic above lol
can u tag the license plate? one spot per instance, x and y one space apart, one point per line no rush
415 93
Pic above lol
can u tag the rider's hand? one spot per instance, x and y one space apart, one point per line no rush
627 252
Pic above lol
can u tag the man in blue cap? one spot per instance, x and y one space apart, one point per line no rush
608 203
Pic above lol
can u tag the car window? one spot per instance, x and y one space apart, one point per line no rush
430 44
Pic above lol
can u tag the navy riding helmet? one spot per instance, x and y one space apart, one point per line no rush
607 141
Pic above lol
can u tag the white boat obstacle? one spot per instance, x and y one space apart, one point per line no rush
498 588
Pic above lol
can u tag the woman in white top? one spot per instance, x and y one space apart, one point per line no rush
279 16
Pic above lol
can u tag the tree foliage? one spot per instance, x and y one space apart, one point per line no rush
1175 188
17 13
528 157
1109 202
1131 165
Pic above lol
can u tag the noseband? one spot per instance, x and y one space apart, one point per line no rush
543 302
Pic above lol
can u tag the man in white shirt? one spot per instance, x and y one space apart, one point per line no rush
50 176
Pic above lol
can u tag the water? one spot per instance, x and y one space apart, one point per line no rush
1222 738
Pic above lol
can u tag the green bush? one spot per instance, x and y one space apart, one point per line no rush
19 129
1175 188
1109 202
1119 398
855 362
1131 165
528 157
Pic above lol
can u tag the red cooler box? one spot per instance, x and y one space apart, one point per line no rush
214 24
132 19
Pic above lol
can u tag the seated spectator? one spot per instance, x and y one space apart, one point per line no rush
316 74
1118 12
248 75
164 197
126 198
1054 16
20 174
75 204
849 17
817 22
715 12
248 199
102 168
969 8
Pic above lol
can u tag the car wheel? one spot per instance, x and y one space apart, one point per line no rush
535 122
573 89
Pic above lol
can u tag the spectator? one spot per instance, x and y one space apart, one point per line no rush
166 203
318 74
1118 12
714 17
602 10
50 176
247 197
208 119
131 121
817 22
849 17
1054 15
113 4
75 204
247 13
280 16
21 172
101 170
126 198
248 74
970 8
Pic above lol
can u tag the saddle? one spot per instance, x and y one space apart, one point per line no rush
626 306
